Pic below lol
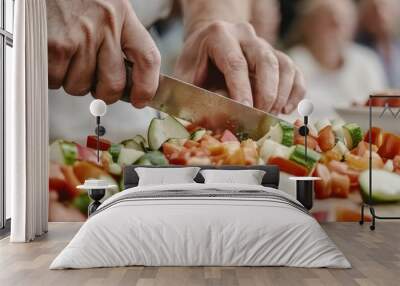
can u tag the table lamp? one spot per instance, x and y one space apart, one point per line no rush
98 108
305 185
305 108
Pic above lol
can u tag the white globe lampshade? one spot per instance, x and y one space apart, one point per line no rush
305 107
98 107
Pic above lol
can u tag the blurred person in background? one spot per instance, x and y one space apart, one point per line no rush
337 71
378 21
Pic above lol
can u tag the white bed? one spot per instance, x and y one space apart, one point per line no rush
236 229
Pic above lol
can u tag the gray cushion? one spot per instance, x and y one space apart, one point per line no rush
270 179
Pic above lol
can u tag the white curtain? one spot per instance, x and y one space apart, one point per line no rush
27 124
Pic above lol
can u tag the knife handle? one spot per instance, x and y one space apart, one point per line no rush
126 95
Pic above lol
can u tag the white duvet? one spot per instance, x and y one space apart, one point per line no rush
204 231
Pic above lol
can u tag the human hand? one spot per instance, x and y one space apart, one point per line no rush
254 72
87 41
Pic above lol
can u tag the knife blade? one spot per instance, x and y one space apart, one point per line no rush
205 108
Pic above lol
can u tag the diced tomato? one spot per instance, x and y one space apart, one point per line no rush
323 187
191 143
64 182
390 146
376 136
56 177
192 127
288 166
228 136
340 185
170 149
91 142
180 158
326 139
312 143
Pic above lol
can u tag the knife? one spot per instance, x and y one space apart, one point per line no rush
205 108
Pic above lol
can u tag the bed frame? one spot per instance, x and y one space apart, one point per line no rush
270 179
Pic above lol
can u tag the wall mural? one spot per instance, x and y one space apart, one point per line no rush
338 149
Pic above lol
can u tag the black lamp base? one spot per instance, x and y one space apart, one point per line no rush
304 193
96 195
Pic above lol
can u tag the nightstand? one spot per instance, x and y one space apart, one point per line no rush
305 190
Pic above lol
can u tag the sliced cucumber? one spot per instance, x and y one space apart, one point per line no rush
273 149
114 151
63 152
352 135
299 156
132 144
178 142
115 169
155 158
160 130
339 133
138 143
183 121
282 133
385 186
198 134
340 148
321 124
128 156
389 166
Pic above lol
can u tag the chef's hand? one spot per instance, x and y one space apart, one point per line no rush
87 41
255 73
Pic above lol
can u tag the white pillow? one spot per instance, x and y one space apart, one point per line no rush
166 176
247 177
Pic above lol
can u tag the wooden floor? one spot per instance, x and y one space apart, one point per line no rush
375 257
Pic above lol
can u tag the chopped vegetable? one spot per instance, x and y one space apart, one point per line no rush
326 138
385 186
282 133
272 149
298 156
155 158
288 166
132 144
228 136
63 152
376 136
198 134
91 142
312 143
114 151
390 146
352 134
321 124
179 142
160 130
340 185
128 156
323 187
